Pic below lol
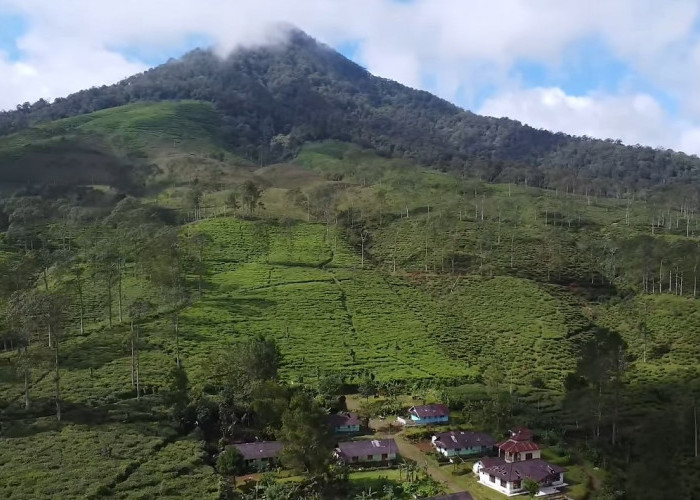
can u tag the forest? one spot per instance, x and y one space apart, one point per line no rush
220 251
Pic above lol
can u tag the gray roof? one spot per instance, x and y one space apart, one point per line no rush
259 450
464 495
366 447
426 411
536 469
343 419
463 439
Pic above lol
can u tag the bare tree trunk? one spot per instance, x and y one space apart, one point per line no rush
177 339
26 384
138 391
57 386
133 356
119 279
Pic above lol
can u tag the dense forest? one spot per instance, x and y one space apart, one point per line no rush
221 251
272 99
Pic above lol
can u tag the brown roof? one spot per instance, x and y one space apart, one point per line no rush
259 450
536 469
343 419
519 441
464 495
366 447
463 439
425 411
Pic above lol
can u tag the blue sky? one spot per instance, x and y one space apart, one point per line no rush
627 69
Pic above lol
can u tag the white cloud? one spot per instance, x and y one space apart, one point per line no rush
632 118
452 47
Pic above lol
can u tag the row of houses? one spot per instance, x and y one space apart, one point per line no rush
518 458
265 453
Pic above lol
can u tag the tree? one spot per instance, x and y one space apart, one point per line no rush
230 461
232 202
531 486
305 436
138 310
195 196
199 242
251 196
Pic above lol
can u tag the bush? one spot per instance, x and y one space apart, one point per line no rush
230 461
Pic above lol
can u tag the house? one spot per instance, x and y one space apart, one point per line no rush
463 443
519 446
462 495
374 450
260 454
344 423
426 414
518 459
508 477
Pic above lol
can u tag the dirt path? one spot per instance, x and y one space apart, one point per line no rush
410 451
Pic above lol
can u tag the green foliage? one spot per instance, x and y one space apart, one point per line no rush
230 461
305 436
531 487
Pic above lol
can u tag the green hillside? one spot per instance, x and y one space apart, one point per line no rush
518 306
119 146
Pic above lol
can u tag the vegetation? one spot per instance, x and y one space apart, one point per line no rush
172 293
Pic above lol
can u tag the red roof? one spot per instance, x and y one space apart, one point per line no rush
519 441
426 411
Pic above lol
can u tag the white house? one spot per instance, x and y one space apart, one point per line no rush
519 459
507 477
463 443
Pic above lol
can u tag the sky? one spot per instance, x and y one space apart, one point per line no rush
620 69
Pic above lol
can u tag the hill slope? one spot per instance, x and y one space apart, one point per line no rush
276 97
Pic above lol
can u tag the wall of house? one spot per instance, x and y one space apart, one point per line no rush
506 488
429 420
345 429
374 458
462 451
518 457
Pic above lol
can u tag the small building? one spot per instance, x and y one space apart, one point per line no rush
463 443
344 423
462 495
508 477
260 454
367 451
519 446
426 414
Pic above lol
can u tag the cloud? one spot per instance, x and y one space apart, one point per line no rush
633 118
456 48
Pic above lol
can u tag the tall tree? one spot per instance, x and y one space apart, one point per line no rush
305 436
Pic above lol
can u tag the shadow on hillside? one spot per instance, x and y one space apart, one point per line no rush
130 414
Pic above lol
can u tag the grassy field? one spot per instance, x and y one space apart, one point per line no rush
458 277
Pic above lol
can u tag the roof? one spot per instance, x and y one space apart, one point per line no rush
366 447
519 441
521 434
343 419
426 411
536 469
259 450
463 439
464 495
487 462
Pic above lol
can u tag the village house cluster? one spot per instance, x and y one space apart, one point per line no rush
502 466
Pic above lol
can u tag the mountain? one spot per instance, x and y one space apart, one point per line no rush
269 100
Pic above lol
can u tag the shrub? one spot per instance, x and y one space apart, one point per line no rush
230 461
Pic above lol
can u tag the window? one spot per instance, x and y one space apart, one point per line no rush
370 457
492 479
528 456
354 459
384 456
503 483
457 450
516 485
